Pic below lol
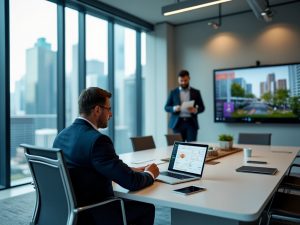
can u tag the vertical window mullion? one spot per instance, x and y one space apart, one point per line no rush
4 96
138 84
61 101
111 74
81 53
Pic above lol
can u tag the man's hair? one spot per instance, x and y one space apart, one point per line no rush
183 73
91 97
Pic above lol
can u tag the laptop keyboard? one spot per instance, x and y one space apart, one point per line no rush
175 175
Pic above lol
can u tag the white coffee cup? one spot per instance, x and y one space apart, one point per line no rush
247 152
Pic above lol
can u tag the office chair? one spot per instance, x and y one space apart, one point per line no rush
255 138
55 199
142 143
171 138
291 180
284 209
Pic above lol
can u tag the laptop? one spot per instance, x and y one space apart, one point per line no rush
186 163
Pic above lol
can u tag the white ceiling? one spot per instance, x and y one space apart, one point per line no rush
150 10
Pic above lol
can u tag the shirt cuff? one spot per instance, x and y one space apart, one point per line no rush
150 174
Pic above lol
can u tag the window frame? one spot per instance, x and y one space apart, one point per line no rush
4 96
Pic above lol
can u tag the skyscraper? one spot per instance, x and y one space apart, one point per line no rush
40 79
294 80
271 83
281 84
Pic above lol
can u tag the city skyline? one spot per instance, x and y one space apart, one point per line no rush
41 74
23 20
284 76
257 75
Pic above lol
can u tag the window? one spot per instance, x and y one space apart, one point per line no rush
96 53
125 87
144 63
33 48
72 86
33 76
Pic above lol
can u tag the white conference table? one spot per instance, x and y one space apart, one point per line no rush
231 197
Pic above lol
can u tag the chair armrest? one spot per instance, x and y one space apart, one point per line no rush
292 218
287 185
33 184
113 199
291 166
295 164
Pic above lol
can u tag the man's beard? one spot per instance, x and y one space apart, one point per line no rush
102 124
184 86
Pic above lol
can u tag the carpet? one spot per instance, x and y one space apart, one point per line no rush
18 210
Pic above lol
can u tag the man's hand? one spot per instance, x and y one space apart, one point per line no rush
153 169
192 110
177 108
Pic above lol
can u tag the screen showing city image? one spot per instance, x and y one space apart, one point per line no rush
264 94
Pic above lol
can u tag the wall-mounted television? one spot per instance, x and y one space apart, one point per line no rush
261 94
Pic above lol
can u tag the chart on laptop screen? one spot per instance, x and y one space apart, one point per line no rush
190 159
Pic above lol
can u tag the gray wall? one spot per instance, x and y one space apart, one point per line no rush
240 41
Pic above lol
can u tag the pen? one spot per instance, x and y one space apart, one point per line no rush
281 152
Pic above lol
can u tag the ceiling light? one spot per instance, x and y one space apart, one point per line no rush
217 25
267 15
185 6
261 9
214 25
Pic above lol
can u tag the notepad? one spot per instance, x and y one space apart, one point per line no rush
257 169
187 104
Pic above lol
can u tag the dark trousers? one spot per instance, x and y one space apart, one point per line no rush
187 129
137 213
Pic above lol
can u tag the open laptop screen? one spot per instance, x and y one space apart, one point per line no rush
188 158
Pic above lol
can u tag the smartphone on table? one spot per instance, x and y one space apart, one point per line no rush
189 190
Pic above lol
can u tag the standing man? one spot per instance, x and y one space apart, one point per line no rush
184 120
93 164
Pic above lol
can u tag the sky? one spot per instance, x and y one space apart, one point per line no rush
32 19
28 22
257 75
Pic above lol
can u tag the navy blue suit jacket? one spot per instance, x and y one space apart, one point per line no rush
174 99
93 164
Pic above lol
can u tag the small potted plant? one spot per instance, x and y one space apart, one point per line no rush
226 141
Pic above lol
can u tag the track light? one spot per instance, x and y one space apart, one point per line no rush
261 9
185 6
217 25
214 25
267 15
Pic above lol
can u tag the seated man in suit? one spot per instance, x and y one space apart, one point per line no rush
94 164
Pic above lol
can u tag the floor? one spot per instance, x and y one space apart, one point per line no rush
7 193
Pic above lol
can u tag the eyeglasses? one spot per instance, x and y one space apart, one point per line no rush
105 107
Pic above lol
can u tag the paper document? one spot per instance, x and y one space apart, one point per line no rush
187 104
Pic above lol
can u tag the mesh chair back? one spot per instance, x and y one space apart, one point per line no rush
171 138
55 198
255 138
142 143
